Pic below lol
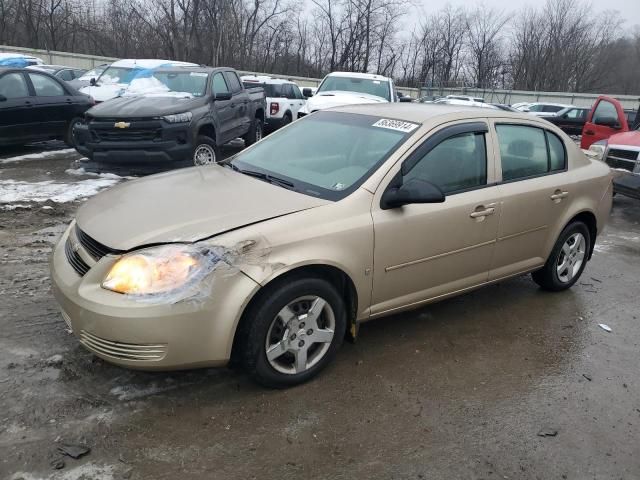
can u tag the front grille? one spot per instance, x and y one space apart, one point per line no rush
93 247
126 135
77 263
625 159
121 350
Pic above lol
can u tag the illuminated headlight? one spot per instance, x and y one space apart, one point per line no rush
160 270
178 117
599 150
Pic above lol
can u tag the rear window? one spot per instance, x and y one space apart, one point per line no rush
270 90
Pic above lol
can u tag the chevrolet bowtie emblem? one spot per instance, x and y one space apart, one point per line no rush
122 124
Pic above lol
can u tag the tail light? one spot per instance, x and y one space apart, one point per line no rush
275 108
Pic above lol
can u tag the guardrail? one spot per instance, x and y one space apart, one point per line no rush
81 60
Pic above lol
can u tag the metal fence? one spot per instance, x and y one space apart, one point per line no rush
494 96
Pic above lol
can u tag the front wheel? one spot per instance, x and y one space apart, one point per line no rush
206 151
567 260
295 331
68 137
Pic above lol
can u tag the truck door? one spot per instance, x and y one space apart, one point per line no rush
223 110
239 103
605 119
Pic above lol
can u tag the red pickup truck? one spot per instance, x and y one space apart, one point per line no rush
614 134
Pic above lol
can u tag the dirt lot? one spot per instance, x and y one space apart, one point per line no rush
464 389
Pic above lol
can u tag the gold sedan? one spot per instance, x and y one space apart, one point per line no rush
354 213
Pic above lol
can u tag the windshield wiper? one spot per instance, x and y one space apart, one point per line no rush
264 176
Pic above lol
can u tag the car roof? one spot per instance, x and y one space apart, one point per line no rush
424 112
148 63
265 79
368 76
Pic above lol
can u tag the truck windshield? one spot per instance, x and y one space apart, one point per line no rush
327 154
379 88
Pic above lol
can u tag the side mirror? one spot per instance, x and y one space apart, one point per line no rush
222 96
610 122
92 82
413 191
3 98
307 92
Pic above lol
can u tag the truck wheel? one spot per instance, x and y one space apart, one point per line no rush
68 137
255 132
296 330
206 151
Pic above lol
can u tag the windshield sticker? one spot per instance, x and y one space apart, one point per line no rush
398 125
198 74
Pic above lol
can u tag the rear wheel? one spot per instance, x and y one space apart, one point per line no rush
255 133
567 260
68 137
206 151
296 329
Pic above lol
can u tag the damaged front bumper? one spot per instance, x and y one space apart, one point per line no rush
196 331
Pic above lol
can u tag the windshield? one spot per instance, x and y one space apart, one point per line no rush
193 83
379 88
113 75
327 154
95 73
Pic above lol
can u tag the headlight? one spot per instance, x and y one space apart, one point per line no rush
160 269
178 117
599 149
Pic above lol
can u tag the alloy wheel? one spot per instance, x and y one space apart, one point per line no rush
571 257
300 335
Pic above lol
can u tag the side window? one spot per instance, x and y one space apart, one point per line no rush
557 154
289 91
66 75
523 152
457 163
297 94
551 108
13 85
604 110
45 86
219 84
573 113
234 83
536 108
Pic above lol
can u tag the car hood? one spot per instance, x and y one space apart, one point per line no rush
185 206
630 139
143 106
102 93
329 99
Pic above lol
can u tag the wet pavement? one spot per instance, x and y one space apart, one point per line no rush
505 382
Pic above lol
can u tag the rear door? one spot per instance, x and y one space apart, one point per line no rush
239 103
223 110
17 120
53 105
605 119
534 193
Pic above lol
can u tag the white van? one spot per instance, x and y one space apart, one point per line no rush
283 97
116 78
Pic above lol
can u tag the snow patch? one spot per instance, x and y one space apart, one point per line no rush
15 206
12 191
81 171
86 471
38 156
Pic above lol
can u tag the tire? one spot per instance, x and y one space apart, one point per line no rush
205 151
68 136
567 259
255 133
287 119
289 318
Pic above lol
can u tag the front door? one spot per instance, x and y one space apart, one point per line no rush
425 251
15 108
600 124
534 194
223 110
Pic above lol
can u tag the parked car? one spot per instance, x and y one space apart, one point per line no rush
606 118
63 73
283 97
85 79
544 109
184 119
613 134
504 107
116 78
36 106
18 60
347 88
272 260
521 106
463 102
466 98
570 120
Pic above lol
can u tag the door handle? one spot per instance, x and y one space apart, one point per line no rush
589 132
558 195
482 211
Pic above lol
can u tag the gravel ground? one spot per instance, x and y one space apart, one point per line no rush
505 382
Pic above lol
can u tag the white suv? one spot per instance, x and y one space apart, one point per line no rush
284 99
346 88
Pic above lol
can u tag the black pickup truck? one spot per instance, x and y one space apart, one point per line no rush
171 117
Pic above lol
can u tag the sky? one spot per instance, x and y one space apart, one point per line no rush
629 9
